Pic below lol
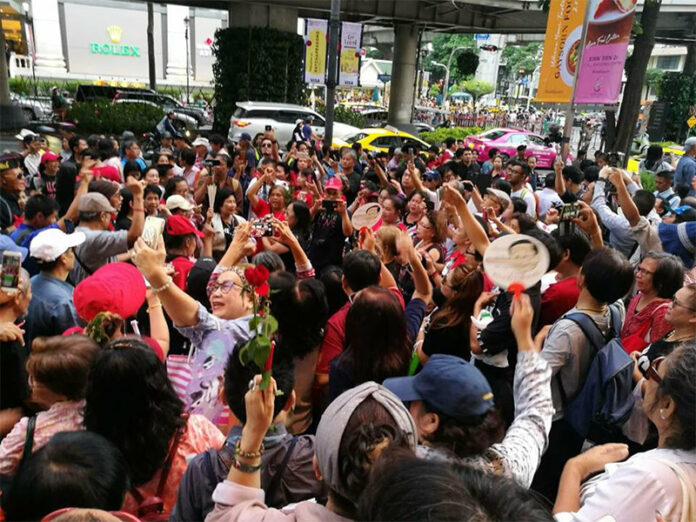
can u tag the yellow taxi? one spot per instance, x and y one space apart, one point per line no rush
379 140
634 161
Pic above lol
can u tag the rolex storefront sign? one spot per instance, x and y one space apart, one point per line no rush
115 48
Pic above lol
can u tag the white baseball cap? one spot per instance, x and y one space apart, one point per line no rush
177 201
200 141
504 198
49 244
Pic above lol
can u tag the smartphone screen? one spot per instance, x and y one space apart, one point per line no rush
152 230
11 263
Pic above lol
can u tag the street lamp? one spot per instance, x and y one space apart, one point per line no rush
30 23
438 64
447 71
186 37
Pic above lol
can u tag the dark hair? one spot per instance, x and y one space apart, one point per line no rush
128 143
187 156
361 269
170 187
576 242
39 203
131 166
175 242
668 277
549 242
437 221
391 190
62 363
449 142
519 205
398 204
74 142
467 286
197 280
653 155
270 260
493 152
303 223
607 273
376 341
550 180
220 197
467 438
679 382
526 169
74 469
216 139
131 402
424 197
667 174
152 189
127 196
396 491
573 174
591 172
237 377
370 426
105 148
645 201
502 184
526 222
301 309
331 277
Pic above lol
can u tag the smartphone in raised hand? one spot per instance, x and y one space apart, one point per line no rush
11 265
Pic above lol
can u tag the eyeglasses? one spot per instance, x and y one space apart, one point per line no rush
266 144
640 270
224 288
675 302
18 175
650 372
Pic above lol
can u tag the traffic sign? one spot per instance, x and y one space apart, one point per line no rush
483 36
691 121
384 78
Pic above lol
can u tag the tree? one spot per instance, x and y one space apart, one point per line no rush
635 76
521 58
443 44
478 88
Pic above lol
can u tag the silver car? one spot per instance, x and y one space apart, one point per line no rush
253 117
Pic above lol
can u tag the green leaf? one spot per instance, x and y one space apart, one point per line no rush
261 351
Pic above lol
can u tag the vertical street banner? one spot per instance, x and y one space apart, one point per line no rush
316 42
561 45
349 59
604 52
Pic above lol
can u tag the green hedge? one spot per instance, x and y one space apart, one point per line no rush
25 86
437 136
680 92
114 118
255 63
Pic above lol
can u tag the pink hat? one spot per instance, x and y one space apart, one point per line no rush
107 172
118 288
49 156
334 183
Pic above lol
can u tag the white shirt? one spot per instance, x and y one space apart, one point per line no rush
31 162
636 489
548 198
528 198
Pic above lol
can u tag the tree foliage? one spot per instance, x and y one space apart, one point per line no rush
653 77
478 88
467 63
443 44
680 92
521 58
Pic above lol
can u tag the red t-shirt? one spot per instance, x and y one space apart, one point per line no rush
182 266
558 299
262 209
303 195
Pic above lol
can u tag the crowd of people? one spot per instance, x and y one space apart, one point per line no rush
406 381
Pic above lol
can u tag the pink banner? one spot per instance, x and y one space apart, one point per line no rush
604 52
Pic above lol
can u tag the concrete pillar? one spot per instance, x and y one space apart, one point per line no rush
403 73
242 14
49 50
176 41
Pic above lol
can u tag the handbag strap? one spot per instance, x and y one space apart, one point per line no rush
688 505
29 439
275 481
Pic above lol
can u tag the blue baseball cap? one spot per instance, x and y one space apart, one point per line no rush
245 136
6 243
448 385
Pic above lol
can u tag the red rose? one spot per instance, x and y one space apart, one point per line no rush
263 290
256 276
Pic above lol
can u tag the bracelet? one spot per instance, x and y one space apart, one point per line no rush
164 286
138 210
153 307
243 468
239 453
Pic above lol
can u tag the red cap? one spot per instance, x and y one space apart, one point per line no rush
49 156
117 287
107 172
334 183
181 226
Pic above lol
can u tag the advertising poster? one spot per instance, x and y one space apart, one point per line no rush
315 51
604 52
560 60
349 59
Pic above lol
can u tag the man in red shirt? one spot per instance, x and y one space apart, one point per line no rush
563 295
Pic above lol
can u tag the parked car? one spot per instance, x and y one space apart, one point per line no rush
377 118
34 109
253 117
182 122
88 92
379 140
507 141
168 103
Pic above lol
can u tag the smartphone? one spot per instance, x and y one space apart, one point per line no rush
329 206
568 211
269 128
152 230
262 228
211 163
11 264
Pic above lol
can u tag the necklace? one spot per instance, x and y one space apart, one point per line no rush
674 339
598 311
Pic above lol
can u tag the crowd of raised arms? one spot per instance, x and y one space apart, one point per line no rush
407 383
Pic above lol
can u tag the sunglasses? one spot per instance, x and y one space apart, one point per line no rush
675 302
650 372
